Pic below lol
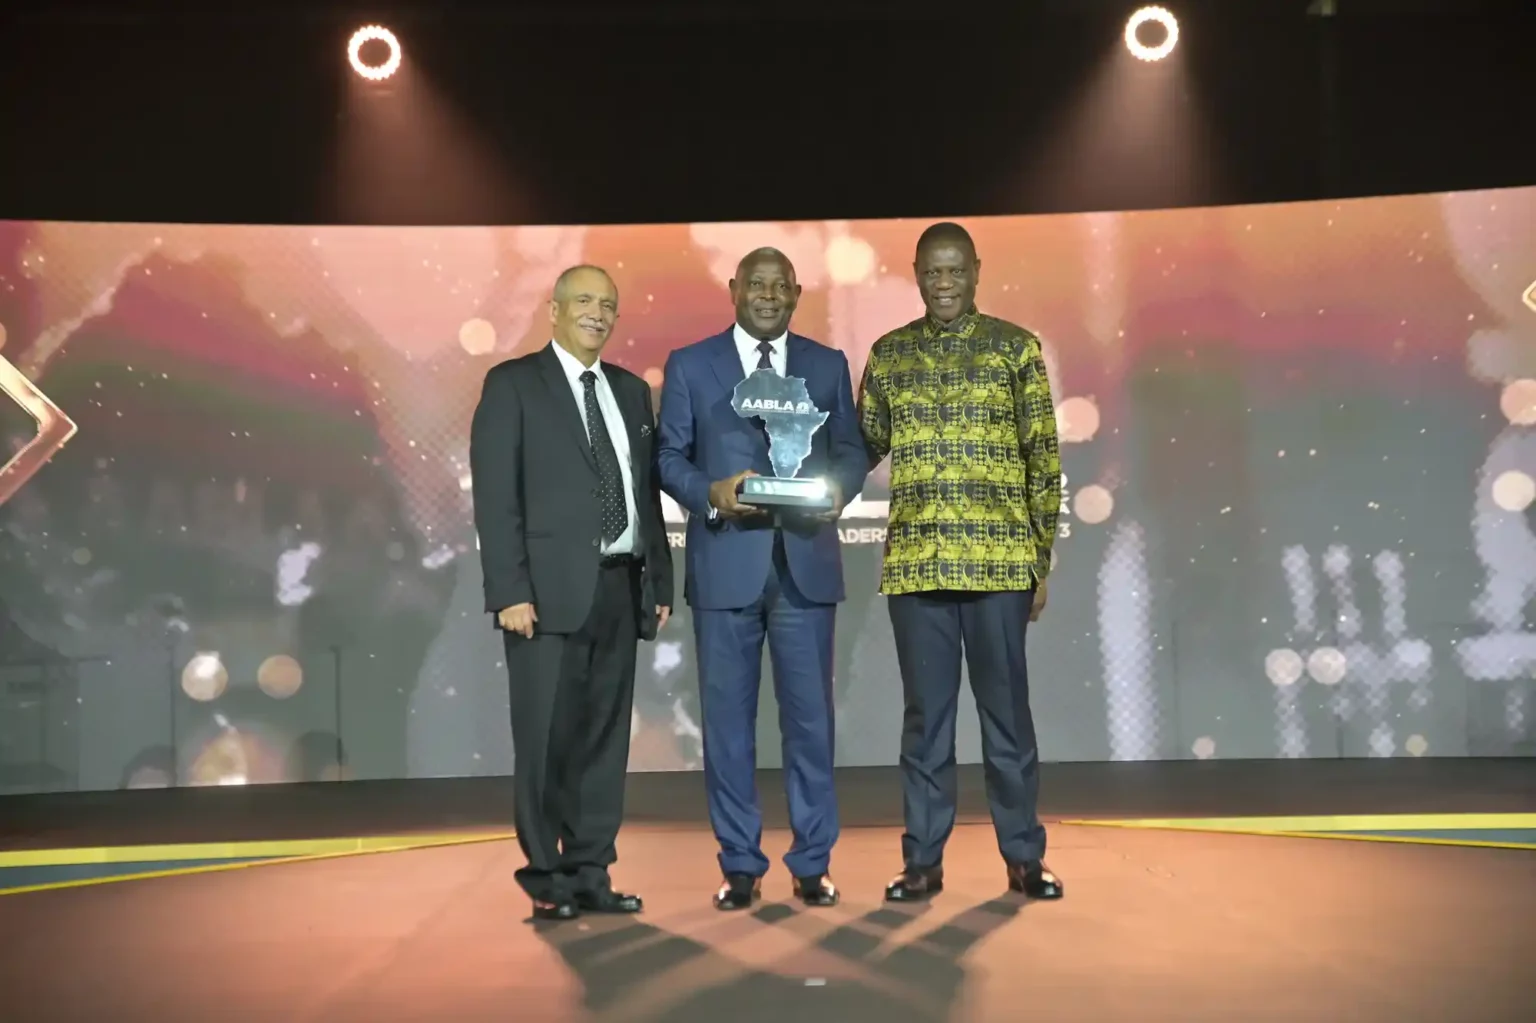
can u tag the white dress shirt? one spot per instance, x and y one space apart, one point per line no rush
746 344
614 419
746 347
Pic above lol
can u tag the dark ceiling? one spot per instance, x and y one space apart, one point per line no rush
634 111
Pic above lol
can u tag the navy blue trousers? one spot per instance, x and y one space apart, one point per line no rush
730 658
933 631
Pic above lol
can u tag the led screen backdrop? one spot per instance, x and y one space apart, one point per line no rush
236 543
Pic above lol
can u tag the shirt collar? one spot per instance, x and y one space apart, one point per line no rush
958 325
573 367
747 343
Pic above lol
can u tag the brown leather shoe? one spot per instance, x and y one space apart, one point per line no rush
914 885
1035 880
816 891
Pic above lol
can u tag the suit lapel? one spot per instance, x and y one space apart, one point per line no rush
796 355
726 361
564 402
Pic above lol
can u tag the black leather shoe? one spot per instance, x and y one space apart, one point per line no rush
738 891
913 885
608 901
1035 880
559 910
817 890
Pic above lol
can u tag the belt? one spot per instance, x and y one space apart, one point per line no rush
618 561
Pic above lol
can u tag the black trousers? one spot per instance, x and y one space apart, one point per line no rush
571 699
933 631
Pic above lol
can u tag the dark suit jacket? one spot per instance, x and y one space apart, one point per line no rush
702 439
536 493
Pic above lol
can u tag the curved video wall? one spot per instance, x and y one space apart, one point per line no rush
235 532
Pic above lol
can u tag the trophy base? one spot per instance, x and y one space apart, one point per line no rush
809 495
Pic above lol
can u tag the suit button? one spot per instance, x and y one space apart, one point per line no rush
596 492
596 543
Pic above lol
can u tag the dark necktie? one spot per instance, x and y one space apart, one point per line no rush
615 510
765 361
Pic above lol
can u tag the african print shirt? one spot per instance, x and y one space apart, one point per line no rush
964 410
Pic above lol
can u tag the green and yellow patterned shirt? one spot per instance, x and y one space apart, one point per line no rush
964 410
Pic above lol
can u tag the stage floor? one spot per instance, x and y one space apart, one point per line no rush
1158 924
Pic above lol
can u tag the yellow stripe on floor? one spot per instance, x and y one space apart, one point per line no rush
1292 825
357 847
268 850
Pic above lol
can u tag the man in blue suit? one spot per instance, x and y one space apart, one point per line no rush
753 576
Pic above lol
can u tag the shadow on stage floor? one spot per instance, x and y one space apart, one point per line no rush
1158 923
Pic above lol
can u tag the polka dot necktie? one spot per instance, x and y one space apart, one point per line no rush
764 361
615 512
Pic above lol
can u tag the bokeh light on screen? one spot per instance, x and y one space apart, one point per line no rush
204 678
1077 420
1093 504
2 336
280 676
1327 666
1203 747
1518 402
374 72
1514 490
1284 667
235 754
1151 33
850 260
223 761
477 337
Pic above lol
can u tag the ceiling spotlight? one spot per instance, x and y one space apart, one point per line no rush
375 72
1155 16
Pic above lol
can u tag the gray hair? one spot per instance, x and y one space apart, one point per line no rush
563 282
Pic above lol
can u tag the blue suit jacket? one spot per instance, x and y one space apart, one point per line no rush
700 439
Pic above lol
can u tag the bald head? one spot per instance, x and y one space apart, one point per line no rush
564 283
766 254
947 271
945 233
765 293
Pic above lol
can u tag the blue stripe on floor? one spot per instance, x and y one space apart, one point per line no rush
26 877
1511 836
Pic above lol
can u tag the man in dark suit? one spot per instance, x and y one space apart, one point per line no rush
577 569
752 576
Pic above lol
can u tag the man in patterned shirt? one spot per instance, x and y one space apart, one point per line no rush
960 402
